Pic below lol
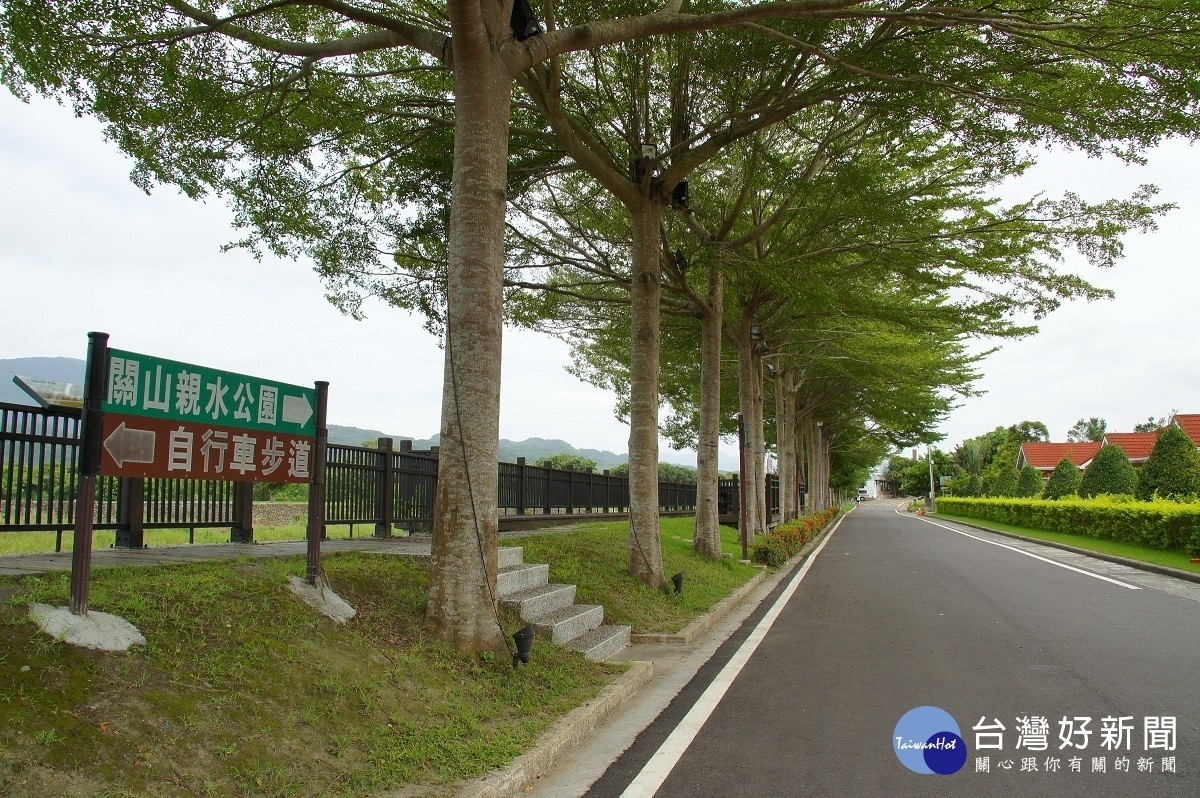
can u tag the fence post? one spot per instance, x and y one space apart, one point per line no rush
589 491
131 508
570 490
242 530
89 468
520 486
387 488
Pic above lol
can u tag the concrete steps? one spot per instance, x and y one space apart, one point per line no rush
565 624
525 587
602 642
516 578
535 601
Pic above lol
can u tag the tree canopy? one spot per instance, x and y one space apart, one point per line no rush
1088 429
1173 468
1110 472
1064 480
375 137
567 461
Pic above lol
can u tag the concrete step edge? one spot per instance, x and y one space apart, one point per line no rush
568 623
602 642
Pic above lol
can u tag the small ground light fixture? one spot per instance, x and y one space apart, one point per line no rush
523 638
677 581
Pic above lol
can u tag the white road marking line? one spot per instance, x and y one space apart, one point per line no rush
1028 554
655 771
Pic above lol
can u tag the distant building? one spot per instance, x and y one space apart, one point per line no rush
1189 423
1137 445
1045 456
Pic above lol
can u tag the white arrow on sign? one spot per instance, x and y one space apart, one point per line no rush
296 409
128 445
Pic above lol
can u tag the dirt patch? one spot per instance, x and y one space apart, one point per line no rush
272 514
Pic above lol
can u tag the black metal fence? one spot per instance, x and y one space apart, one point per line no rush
38 486
383 486
358 477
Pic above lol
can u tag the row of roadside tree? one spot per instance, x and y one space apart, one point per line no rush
809 184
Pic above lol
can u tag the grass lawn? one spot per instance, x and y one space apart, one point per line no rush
243 690
1173 559
42 542
597 562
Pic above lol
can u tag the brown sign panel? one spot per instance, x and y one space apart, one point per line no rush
137 446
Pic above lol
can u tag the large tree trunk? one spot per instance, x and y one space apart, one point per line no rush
813 463
818 467
645 552
747 379
758 437
706 538
785 439
827 497
803 470
462 605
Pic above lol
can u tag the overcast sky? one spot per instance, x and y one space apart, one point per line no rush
82 249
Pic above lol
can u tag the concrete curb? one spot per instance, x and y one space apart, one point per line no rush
687 634
564 734
1163 570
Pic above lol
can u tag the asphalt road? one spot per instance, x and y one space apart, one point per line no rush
896 613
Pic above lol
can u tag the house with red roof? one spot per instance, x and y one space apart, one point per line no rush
1189 423
1137 445
1045 456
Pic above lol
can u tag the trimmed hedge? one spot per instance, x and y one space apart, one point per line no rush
1110 472
1159 524
785 541
1064 480
1171 469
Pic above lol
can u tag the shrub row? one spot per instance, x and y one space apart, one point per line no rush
785 541
1160 524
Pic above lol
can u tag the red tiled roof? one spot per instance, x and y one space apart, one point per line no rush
1137 445
1189 423
1045 456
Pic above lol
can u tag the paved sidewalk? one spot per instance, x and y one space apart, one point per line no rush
21 564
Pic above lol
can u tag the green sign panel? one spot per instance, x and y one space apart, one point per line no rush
143 385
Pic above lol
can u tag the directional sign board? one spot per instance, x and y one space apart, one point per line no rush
163 418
